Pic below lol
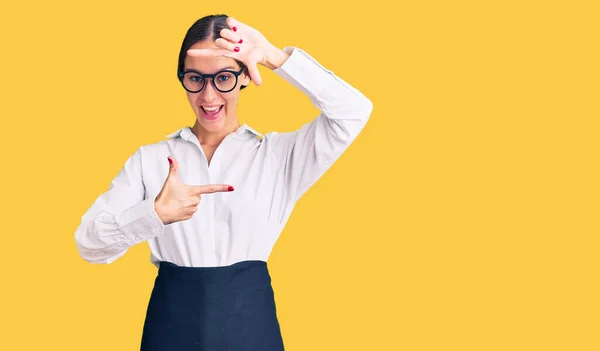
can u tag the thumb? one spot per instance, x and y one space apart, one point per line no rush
254 74
173 167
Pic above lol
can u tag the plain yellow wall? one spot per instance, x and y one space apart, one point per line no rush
464 217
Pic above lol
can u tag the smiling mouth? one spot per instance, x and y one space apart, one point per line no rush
211 109
211 112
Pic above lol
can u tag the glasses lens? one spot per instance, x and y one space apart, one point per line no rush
192 81
225 81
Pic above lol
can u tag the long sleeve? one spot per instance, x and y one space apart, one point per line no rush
119 218
309 151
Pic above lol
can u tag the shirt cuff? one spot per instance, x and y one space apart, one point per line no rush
140 222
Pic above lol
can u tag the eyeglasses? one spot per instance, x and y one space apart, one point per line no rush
224 81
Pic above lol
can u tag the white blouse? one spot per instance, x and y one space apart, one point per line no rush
269 173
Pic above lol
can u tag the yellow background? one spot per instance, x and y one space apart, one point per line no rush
464 217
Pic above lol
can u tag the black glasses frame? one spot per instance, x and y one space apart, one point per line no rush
212 79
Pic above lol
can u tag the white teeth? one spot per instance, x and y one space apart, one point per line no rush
211 109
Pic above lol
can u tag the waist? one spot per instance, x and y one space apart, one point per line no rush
244 274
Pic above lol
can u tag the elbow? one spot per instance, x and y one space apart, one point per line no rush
358 113
90 250
97 256
89 257
366 109
88 254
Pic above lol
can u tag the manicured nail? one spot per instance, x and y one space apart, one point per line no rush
168 158
239 42
230 188
236 49
234 28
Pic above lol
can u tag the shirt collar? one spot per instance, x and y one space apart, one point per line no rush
186 132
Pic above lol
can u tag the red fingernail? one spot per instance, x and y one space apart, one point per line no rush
236 49
168 158
234 28
230 188
239 42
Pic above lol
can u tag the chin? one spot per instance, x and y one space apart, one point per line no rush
212 125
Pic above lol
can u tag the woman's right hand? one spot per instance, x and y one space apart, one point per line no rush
177 201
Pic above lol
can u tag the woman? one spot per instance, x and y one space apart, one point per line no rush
213 212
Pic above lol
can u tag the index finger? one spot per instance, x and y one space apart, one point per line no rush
209 188
210 52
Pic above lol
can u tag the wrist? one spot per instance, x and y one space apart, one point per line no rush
159 211
275 58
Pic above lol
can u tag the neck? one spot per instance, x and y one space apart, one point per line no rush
214 138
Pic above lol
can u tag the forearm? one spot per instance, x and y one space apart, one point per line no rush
337 99
103 236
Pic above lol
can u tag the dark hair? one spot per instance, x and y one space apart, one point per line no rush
208 27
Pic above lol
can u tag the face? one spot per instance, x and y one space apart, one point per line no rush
215 111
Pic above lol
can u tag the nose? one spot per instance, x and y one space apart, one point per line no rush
209 92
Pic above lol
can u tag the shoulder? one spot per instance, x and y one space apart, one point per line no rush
168 142
274 138
305 129
154 149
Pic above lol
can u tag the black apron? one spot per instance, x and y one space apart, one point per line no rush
230 308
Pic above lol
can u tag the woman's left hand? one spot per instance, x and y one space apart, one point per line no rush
247 45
